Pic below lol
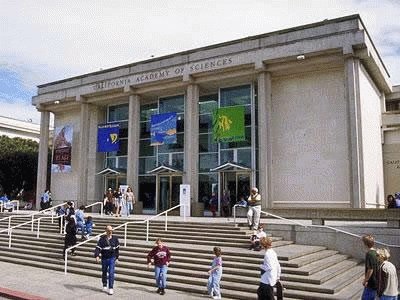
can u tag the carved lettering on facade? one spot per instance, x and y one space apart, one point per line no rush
162 74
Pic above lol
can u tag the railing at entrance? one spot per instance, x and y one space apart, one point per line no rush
125 225
32 216
311 225
97 203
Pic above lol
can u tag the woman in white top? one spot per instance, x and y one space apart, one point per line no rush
130 200
387 277
270 271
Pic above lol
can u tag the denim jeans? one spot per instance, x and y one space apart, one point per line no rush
213 284
368 294
129 208
108 264
383 297
160 273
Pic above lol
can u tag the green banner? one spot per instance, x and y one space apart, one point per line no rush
228 124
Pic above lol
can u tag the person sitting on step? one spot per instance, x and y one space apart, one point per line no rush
256 237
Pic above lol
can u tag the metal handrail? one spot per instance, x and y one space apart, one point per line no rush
315 226
96 203
31 215
9 230
125 231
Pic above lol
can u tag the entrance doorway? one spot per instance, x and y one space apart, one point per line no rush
168 192
236 184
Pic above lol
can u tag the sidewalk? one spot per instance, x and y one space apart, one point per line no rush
55 285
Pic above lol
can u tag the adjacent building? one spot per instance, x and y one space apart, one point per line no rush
18 128
312 96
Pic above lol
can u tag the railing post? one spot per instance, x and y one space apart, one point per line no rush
33 218
52 218
9 238
166 221
234 215
9 224
38 228
147 230
102 208
61 223
125 233
65 261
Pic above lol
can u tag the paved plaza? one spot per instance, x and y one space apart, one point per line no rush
55 285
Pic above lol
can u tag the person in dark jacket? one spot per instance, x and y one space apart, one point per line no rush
108 247
160 256
70 236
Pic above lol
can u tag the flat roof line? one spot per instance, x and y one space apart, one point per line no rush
186 52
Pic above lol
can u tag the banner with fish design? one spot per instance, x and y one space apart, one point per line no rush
163 129
108 137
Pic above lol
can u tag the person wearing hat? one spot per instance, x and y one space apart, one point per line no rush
254 211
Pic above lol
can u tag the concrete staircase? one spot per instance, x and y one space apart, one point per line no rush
308 272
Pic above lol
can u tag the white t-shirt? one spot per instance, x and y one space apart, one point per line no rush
271 267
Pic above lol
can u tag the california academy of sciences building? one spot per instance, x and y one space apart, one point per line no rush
317 130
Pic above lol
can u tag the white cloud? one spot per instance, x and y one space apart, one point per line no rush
19 110
52 40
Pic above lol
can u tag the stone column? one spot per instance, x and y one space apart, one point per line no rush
352 94
264 137
83 153
191 155
41 183
133 148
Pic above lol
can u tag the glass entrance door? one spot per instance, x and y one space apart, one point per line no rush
168 196
236 185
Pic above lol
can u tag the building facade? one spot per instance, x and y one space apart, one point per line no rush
18 128
313 98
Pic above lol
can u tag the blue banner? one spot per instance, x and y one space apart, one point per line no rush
107 137
163 129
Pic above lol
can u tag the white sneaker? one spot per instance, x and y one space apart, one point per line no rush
105 289
217 297
111 292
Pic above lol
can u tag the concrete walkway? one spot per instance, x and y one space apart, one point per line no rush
55 285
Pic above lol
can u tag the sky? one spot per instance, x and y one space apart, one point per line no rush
45 41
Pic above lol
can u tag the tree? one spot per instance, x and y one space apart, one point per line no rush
18 164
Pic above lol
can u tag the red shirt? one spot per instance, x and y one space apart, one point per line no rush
160 255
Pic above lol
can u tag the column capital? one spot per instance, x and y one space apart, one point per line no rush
188 78
260 67
41 108
129 90
81 98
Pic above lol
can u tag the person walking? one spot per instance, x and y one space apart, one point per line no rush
160 256
371 269
270 271
108 248
70 235
254 209
80 220
130 200
387 277
215 273
225 204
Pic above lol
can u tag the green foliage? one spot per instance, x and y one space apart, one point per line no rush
18 164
